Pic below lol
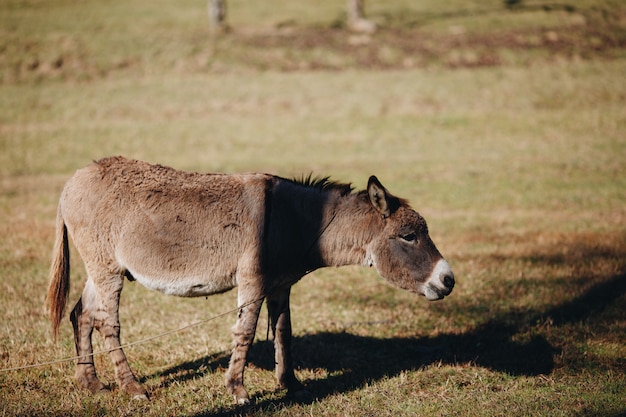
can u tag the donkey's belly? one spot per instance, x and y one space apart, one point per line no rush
186 286
182 270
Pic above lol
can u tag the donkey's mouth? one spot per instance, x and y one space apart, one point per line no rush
440 283
434 293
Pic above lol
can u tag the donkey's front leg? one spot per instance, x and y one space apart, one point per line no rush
278 309
243 336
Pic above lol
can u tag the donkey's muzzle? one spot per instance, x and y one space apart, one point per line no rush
440 282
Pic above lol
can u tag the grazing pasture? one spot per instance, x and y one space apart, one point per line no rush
504 127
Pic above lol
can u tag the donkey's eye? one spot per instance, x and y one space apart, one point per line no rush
409 237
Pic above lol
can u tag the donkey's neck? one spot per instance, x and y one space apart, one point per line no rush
314 227
348 227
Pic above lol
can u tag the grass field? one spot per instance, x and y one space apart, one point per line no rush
504 127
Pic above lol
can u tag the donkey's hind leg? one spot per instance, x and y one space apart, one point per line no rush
108 324
82 321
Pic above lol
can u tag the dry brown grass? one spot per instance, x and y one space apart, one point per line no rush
518 168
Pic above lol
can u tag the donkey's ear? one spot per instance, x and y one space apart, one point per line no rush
379 197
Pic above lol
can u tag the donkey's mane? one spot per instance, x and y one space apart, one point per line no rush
323 184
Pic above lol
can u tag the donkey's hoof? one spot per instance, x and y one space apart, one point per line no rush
241 397
301 395
295 389
92 384
98 388
239 394
100 391
242 400
136 391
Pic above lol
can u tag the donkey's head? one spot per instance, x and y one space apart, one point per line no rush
403 252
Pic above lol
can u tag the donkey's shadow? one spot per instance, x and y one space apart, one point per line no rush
352 361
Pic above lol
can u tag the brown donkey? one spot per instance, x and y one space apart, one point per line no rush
191 234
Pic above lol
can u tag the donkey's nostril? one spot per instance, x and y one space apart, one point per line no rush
447 280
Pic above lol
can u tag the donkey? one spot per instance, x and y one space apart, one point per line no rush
192 234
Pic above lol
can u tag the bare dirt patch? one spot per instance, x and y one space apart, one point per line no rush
296 47
399 48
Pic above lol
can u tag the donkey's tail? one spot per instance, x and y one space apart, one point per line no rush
59 286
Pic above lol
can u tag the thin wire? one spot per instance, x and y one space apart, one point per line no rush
135 343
